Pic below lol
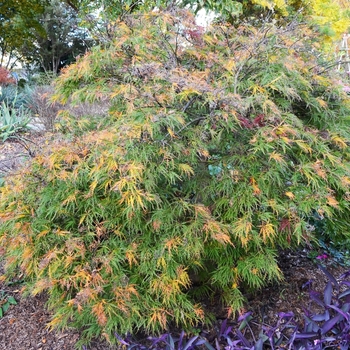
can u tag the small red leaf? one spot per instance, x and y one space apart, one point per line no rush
284 225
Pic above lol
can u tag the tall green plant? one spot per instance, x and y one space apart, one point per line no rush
217 149
13 119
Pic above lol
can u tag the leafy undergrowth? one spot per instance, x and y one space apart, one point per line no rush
326 326
5 302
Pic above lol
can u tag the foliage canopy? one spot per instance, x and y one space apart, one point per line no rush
332 17
218 148
63 39
18 23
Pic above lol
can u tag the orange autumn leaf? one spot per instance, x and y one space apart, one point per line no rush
98 311
332 201
290 195
256 188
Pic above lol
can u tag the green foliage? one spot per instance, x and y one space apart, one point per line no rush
14 97
217 149
63 39
5 302
331 17
328 245
8 94
13 119
44 33
18 23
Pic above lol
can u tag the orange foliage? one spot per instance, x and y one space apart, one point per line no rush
5 77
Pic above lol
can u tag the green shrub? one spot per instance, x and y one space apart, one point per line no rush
8 95
217 149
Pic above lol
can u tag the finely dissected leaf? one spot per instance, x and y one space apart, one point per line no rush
277 157
267 231
186 169
216 150
99 312
339 142
290 195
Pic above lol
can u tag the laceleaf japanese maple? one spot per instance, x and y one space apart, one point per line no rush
218 148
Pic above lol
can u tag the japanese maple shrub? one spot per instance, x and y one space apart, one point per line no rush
218 147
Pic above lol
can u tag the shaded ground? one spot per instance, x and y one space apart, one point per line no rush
23 326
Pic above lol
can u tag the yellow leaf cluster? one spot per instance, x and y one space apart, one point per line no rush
277 157
217 232
172 243
340 142
267 231
290 195
319 170
168 287
186 169
242 228
131 255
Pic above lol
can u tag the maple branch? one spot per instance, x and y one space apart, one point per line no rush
155 98
72 5
188 104
23 142
333 65
184 127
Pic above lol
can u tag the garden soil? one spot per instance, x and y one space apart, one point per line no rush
24 326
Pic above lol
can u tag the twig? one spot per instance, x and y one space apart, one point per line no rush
23 142
188 104
184 127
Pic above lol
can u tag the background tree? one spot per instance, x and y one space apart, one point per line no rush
62 41
26 32
332 17
19 26
45 33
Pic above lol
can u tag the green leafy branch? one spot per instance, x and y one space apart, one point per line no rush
5 302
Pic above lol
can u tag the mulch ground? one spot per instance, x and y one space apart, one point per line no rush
23 326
